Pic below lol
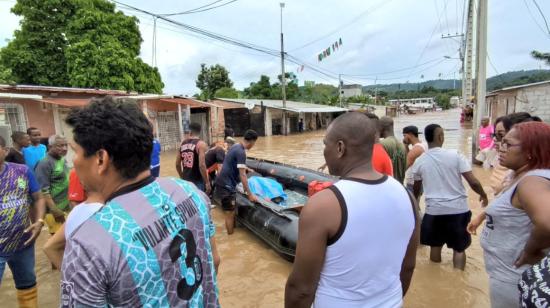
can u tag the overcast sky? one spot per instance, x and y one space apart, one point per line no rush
379 36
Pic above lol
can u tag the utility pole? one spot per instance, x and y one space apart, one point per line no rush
481 71
449 36
467 54
340 89
283 79
375 91
454 80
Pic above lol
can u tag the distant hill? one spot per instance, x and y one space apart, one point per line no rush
493 83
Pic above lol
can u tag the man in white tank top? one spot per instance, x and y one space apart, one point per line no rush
357 240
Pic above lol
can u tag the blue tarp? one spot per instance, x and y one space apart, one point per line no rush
266 188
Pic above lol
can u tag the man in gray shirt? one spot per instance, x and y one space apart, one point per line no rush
439 172
152 243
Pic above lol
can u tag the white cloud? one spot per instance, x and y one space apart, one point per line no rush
387 35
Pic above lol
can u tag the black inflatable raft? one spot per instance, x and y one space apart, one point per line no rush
276 225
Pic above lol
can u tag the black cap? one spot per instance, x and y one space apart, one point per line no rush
411 130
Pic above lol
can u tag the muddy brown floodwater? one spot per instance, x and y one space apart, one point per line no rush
253 275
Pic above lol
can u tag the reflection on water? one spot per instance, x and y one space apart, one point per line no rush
306 150
253 275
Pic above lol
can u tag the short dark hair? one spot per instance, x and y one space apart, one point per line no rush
16 136
227 126
376 120
411 129
536 119
30 129
118 127
498 120
514 118
250 135
429 132
2 142
195 128
371 115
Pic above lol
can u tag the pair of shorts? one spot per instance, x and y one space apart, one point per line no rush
438 230
227 198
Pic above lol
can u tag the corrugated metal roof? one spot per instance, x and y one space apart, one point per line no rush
290 105
184 101
522 86
226 104
5 87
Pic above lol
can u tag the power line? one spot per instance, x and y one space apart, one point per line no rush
203 32
542 14
192 10
400 77
354 20
394 71
447 18
431 36
203 8
534 19
449 49
229 40
492 65
169 27
194 31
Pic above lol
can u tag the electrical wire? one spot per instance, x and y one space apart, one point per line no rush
231 41
192 10
367 12
431 36
200 31
542 15
197 32
447 46
394 71
198 10
401 77
447 18
534 19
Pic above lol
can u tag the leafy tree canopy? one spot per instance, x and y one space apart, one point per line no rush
79 43
226 93
543 56
211 79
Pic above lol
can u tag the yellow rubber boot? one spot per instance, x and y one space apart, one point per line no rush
28 298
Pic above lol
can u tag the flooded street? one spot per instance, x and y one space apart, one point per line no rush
253 275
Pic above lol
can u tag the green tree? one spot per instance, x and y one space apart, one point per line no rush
5 74
291 90
260 89
543 56
88 44
211 79
36 54
226 93
106 49
443 101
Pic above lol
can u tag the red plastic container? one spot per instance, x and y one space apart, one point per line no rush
316 186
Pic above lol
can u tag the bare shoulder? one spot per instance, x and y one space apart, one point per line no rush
533 183
322 209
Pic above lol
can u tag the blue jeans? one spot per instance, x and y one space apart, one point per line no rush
21 264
